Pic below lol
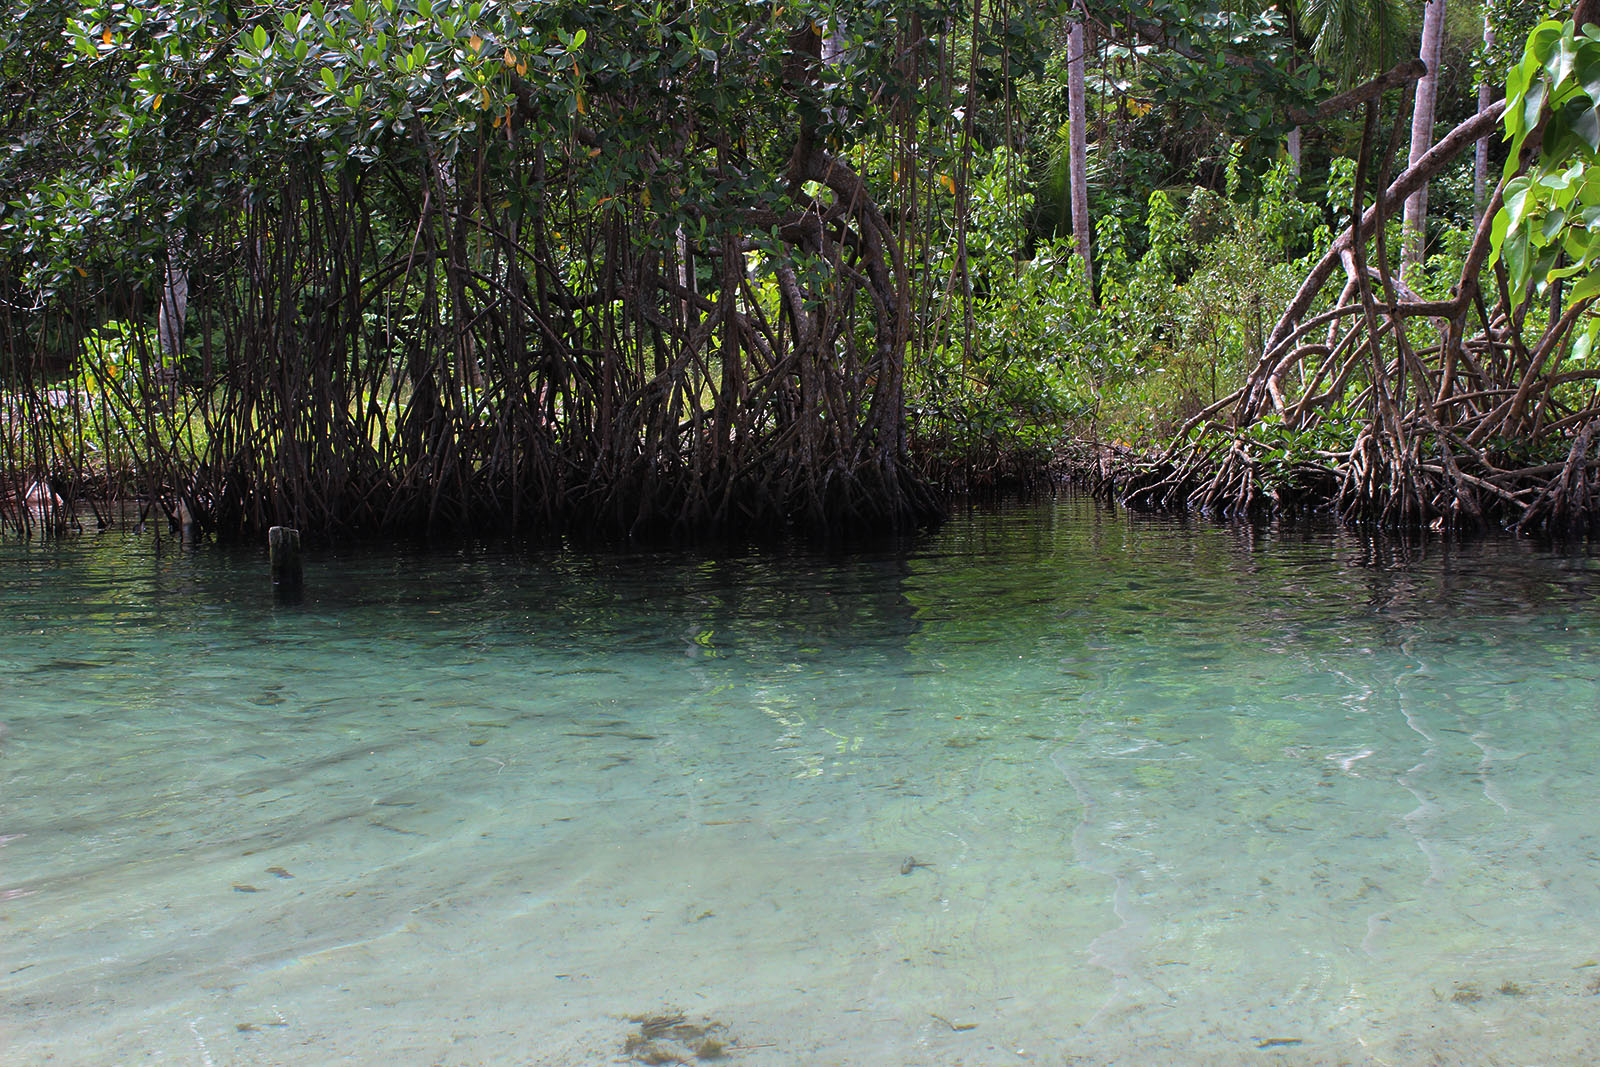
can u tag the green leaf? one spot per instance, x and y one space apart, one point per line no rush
1588 287
1583 344
1561 63
1516 200
1515 253
1564 272
1588 72
329 79
1544 40
1575 242
260 38
1553 222
1533 103
1587 127
1517 80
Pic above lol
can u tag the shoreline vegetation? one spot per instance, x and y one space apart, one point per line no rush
664 273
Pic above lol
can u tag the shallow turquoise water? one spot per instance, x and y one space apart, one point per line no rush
1183 794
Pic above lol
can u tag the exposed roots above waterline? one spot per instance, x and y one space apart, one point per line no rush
1390 409
1440 489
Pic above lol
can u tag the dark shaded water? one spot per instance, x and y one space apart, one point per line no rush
1173 793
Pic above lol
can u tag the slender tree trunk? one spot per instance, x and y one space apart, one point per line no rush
1077 143
1480 161
174 299
833 41
172 313
1416 215
1291 145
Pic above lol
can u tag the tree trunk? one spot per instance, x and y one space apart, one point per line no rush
1291 145
1416 215
174 309
1480 161
833 42
1077 142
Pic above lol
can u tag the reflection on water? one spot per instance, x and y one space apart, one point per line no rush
1053 785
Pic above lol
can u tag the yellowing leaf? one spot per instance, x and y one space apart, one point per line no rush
485 91
945 180
155 102
522 68
592 153
644 194
105 37
81 272
510 60
476 42
582 108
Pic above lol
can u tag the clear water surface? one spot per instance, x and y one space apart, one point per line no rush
1052 785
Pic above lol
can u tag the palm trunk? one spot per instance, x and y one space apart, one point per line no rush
1077 143
1416 214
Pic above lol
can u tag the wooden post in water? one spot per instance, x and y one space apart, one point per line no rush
284 544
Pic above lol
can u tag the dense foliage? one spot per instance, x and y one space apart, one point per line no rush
636 268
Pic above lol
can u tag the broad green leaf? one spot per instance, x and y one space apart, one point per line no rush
1576 244
1586 125
1544 40
1559 67
1516 199
1553 222
1583 343
1515 254
1588 287
1518 78
1533 103
1588 70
